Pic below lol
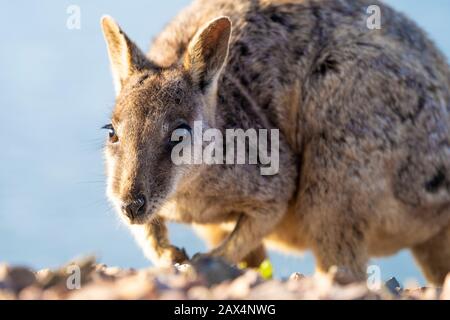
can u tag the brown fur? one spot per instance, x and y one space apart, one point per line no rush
364 121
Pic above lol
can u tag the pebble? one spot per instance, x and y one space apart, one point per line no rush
393 286
296 276
16 278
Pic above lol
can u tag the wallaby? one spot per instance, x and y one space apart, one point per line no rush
364 143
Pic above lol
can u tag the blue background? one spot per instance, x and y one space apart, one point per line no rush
56 92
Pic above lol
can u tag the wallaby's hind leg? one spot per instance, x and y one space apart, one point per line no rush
433 257
340 251
214 234
337 241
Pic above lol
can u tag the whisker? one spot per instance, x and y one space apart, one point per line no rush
93 204
92 182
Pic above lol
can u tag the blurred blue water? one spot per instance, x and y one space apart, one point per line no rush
55 92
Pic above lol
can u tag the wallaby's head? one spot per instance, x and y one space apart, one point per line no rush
152 102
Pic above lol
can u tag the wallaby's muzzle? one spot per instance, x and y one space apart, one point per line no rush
135 208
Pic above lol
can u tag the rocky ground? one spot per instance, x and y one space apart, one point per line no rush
203 279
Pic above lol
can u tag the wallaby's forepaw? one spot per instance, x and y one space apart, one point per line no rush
173 255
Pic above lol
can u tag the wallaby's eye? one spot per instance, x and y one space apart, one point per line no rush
179 134
113 138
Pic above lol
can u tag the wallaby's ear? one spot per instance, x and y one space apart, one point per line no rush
208 51
124 55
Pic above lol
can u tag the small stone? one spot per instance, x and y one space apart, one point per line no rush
100 267
186 269
43 274
393 286
16 278
296 276
113 271
214 270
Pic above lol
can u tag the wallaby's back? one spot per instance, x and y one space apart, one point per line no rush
285 55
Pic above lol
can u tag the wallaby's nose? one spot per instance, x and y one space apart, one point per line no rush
134 208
